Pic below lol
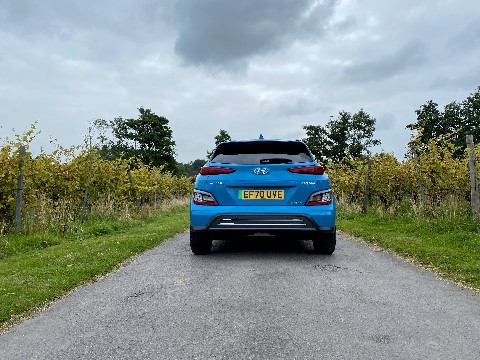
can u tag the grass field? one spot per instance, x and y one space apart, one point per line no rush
449 246
36 269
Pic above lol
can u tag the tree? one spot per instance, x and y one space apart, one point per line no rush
470 115
453 124
347 134
148 138
430 120
222 136
190 169
318 141
362 132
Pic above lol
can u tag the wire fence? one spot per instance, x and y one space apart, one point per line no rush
429 179
46 193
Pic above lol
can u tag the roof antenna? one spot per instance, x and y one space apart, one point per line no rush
260 137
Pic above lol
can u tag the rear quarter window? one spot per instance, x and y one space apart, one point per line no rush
262 152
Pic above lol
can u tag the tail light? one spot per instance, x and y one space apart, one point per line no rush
212 170
314 169
323 197
203 198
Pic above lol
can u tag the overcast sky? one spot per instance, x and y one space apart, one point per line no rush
248 67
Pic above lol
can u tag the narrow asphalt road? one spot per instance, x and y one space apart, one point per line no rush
257 300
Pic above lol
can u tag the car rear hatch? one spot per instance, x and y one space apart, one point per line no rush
262 174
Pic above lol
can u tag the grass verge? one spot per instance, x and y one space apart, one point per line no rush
449 247
37 269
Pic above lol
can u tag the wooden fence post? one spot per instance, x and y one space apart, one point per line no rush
367 187
356 187
132 187
473 179
18 205
423 197
85 194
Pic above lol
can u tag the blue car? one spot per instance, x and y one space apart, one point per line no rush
262 187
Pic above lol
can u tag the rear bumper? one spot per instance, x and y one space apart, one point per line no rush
286 225
261 222
201 216
292 221
286 234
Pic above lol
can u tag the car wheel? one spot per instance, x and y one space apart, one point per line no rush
200 244
325 244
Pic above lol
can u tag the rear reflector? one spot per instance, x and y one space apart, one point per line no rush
210 170
316 170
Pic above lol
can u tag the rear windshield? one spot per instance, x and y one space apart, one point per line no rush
262 152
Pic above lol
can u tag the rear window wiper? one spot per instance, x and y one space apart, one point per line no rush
275 161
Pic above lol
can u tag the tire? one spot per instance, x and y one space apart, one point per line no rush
325 244
201 244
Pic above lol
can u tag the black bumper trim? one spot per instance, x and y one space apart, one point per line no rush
275 224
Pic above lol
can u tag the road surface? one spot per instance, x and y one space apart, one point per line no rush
266 299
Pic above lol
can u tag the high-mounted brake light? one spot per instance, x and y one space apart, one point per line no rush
212 170
315 169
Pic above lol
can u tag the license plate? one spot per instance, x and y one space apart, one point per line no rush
262 194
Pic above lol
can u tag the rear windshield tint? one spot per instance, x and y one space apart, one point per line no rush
262 152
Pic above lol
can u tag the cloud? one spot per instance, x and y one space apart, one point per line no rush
385 122
68 62
344 26
470 79
295 106
109 31
466 39
223 33
409 56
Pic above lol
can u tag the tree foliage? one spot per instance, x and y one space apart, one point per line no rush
148 138
346 135
222 136
54 185
455 122
190 169
395 184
